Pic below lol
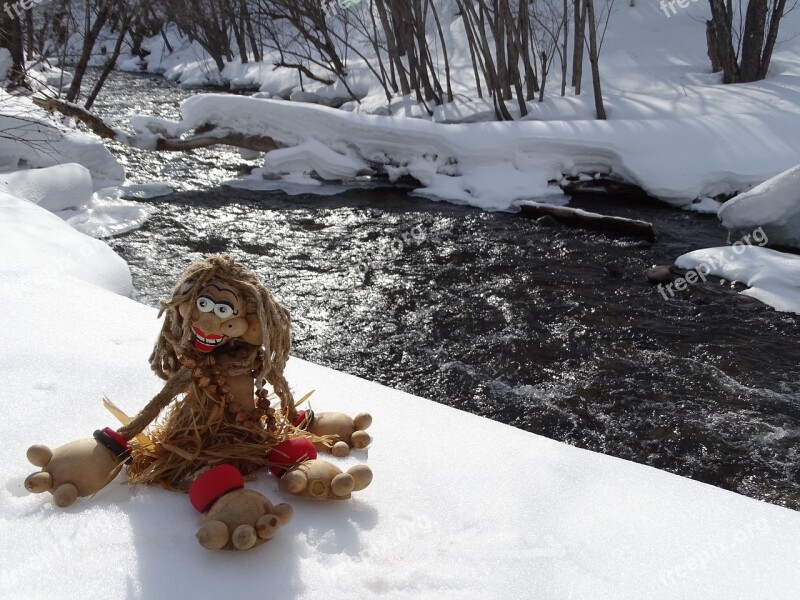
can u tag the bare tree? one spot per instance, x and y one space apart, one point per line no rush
128 16
95 17
550 19
741 40
594 59
11 38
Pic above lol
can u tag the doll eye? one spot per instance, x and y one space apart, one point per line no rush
205 304
223 310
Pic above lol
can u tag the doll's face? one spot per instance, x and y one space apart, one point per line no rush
218 316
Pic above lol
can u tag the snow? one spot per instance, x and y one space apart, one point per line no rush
31 139
773 205
106 214
494 165
461 507
773 277
313 156
58 168
44 253
673 129
67 191
54 188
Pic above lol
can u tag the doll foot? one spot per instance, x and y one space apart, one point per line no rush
236 518
321 480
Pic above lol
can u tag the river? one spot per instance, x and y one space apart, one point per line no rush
549 329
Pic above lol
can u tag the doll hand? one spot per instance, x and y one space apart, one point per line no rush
237 519
321 480
77 469
350 431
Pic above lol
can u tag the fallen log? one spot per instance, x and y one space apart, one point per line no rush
580 218
210 135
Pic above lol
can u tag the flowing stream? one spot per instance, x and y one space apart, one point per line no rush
548 329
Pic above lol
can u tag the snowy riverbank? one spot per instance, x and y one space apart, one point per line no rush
494 166
673 129
461 507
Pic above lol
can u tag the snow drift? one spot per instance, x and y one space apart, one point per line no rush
773 277
773 205
494 166
31 139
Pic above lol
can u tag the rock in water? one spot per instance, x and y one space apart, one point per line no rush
614 269
659 274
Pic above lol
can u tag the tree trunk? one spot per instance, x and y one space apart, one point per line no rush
753 40
124 29
90 34
245 12
594 59
577 45
565 48
391 46
444 50
29 30
11 39
772 35
577 59
472 47
711 45
722 20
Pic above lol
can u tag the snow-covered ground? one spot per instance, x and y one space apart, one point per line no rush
29 139
494 165
461 507
673 128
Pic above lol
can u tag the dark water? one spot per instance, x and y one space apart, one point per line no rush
498 315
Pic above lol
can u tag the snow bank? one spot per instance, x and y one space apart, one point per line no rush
461 507
54 188
43 256
31 139
496 165
773 205
67 191
59 169
773 277
673 129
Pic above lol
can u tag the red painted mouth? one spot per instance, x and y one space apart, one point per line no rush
206 342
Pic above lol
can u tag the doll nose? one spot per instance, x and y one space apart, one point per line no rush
209 323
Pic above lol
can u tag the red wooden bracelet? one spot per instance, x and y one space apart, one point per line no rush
211 485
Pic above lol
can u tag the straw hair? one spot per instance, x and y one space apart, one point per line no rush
206 427
175 338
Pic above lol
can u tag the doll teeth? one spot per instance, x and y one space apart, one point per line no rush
204 342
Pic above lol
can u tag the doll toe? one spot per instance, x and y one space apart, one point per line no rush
244 537
39 482
213 535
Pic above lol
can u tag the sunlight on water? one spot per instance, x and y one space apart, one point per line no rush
496 314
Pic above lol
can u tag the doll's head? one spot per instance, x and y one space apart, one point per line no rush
219 305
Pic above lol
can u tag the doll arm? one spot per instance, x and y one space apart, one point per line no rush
77 469
84 467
